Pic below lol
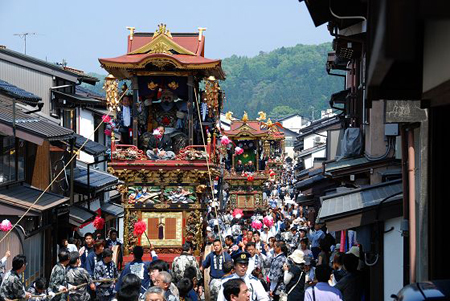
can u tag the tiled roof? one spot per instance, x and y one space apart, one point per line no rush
16 92
112 209
31 123
98 180
91 147
24 196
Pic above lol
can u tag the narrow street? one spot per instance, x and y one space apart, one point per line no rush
138 163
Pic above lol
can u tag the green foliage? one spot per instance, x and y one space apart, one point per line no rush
281 82
284 81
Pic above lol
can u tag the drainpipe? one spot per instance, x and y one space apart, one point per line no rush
405 222
412 207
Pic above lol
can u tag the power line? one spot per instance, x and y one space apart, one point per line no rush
24 37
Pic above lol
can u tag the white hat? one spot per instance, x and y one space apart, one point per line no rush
208 229
298 256
354 250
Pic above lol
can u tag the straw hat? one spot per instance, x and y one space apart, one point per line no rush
297 256
354 250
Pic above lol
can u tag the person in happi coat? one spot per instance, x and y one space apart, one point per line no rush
78 279
95 256
138 268
37 288
276 270
57 282
215 261
182 262
12 286
105 270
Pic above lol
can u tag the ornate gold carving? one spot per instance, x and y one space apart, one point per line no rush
262 116
162 30
131 217
194 226
160 48
245 117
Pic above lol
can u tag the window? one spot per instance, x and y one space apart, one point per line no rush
8 167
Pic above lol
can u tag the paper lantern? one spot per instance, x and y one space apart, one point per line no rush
139 228
99 222
238 151
225 140
238 213
268 221
257 225
5 225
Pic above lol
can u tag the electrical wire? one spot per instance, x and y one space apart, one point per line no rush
385 155
53 181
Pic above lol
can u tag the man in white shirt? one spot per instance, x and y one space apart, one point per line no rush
322 290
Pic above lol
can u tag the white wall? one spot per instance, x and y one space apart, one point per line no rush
393 258
309 160
308 141
294 123
86 129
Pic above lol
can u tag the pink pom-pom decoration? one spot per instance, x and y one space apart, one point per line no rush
5 225
268 221
257 225
238 213
139 228
238 151
225 140
99 222
108 132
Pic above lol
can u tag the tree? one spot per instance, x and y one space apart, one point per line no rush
281 111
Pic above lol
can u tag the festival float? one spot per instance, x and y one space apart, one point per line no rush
254 147
172 84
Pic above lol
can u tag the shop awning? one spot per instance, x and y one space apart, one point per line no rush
79 215
359 206
307 183
347 166
91 147
112 209
98 180
19 197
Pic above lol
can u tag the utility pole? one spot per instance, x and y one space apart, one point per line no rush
24 37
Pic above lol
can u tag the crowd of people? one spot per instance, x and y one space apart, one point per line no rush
282 254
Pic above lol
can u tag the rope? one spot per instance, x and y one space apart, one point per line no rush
211 183
73 288
53 181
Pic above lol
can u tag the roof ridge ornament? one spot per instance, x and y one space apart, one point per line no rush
162 30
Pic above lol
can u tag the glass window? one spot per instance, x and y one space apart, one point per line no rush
8 168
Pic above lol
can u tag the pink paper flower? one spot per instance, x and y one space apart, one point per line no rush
238 213
257 225
5 225
139 228
268 221
225 140
106 118
108 132
238 151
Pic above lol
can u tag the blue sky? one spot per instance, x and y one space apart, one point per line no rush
82 31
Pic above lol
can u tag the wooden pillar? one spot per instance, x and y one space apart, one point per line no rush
135 87
190 106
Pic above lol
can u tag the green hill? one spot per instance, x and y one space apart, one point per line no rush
281 82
